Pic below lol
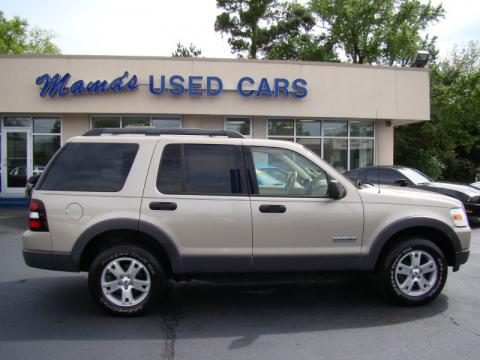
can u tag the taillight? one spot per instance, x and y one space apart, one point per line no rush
37 220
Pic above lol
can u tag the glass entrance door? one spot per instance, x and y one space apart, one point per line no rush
16 160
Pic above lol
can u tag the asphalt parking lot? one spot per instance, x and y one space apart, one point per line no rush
49 315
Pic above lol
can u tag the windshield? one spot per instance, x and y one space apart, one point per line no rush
415 176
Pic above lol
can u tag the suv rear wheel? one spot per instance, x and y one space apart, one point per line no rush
126 280
413 272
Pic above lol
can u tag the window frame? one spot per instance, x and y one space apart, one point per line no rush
252 178
245 184
322 136
151 118
250 119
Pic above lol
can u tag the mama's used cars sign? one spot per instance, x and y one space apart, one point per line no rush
176 85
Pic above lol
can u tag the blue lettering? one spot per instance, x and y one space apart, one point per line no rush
117 84
214 91
96 87
195 88
153 89
240 86
53 85
132 84
281 87
300 89
264 88
177 88
77 88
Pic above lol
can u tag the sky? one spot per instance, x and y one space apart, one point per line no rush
153 27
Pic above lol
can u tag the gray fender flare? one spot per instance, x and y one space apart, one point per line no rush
128 224
370 260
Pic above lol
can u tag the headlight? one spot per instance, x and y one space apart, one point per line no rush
459 217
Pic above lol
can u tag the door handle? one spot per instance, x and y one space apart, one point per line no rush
163 206
272 209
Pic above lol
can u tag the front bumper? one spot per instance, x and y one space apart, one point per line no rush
461 258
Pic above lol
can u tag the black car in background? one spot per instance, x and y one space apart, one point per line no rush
404 176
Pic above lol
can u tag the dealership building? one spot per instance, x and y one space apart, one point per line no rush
343 112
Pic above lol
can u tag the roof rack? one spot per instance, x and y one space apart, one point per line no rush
157 132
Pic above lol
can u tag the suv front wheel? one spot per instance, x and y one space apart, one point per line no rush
413 272
126 280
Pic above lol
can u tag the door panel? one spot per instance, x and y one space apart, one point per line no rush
212 234
296 225
186 197
306 234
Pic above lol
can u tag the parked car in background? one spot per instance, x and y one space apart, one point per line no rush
476 185
408 177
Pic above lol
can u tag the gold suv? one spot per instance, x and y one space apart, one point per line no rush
138 207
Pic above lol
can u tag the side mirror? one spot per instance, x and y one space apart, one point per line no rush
336 190
401 182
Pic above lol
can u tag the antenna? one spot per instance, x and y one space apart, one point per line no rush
377 150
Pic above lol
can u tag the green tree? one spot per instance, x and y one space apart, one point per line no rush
377 31
17 38
449 145
305 47
184 51
256 27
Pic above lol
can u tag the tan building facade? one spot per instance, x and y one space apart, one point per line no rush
344 113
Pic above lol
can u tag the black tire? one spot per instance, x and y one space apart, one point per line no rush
391 279
140 258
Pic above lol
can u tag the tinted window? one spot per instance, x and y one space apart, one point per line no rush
201 169
91 167
385 176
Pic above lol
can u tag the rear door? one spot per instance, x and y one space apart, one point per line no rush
196 193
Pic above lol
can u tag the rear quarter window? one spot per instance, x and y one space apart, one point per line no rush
93 167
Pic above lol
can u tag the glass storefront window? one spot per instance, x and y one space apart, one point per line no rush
280 127
283 138
335 152
44 146
105 122
313 144
241 125
361 128
166 122
11 121
361 153
309 128
335 128
135 121
46 125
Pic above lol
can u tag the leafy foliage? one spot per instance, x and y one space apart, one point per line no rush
256 27
16 38
377 31
449 145
183 51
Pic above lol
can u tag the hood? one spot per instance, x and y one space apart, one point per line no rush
464 189
406 196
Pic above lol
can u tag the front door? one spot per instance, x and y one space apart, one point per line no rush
297 226
17 160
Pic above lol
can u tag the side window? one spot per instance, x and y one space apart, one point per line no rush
282 172
385 176
96 167
201 169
